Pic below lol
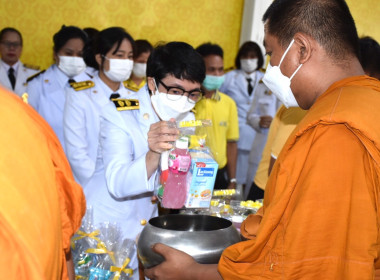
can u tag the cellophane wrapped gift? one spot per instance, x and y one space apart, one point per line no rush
100 253
201 173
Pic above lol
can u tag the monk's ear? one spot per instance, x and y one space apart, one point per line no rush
305 46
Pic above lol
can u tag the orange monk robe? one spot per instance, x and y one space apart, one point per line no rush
41 206
321 216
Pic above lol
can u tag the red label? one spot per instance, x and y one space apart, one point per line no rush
200 164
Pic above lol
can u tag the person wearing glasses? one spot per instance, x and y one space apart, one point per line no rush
13 73
133 139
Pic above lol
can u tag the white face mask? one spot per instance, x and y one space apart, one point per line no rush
71 65
279 84
249 65
167 109
120 69
139 70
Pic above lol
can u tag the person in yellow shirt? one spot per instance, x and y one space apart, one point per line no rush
283 124
141 53
221 109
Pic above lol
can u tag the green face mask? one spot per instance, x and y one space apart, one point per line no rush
213 82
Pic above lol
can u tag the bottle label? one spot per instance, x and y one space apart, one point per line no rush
178 163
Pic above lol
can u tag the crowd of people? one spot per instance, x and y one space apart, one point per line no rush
305 130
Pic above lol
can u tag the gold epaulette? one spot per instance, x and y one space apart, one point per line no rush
30 66
126 104
34 76
262 70
130 87
82 85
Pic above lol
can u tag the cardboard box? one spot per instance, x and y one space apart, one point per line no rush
202 174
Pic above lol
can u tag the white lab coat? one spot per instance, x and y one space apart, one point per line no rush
47 95
23 73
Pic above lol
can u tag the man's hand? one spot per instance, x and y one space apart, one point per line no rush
265 121
177 264
161 135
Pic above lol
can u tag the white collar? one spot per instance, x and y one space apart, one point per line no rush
7 66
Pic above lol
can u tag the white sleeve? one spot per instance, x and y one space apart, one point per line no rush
74 129
125 171
253 116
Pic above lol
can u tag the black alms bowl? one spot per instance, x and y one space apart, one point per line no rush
203 237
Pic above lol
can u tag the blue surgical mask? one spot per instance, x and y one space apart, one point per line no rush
213 82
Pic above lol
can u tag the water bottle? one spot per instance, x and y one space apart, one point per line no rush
175 190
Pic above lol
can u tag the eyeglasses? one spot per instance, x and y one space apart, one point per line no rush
175 93
11 44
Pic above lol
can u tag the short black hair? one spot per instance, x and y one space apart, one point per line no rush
245 49
369 55
207 49
67 33
10 29
329 22
88 53
108 37
178 59
142 46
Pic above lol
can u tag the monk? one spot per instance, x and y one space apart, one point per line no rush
320 218
41 206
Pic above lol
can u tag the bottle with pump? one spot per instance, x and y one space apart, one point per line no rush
175 190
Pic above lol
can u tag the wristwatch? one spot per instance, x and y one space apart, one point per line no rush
233 180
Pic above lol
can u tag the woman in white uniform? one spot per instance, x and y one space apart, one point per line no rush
47 90
134 136
114 55
242 85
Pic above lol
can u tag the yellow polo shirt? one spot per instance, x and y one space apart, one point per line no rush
221 110
129 84
282 125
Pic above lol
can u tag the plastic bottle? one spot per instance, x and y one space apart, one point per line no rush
175 190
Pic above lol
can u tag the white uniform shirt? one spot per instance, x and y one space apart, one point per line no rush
22 73
82 125
235 85
47 95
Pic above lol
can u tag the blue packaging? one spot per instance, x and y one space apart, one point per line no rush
202 173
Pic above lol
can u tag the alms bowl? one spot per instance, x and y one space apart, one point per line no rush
203 237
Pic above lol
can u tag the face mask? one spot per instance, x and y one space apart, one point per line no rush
249 65
139 70
213 82
71 65
120 69
167 109
280 84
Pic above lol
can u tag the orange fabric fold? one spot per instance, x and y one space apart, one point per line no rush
41 206
321 216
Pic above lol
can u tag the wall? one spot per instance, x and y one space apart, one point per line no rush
366 14
192 21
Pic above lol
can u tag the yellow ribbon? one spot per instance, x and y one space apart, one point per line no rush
101 249
123 268
83 234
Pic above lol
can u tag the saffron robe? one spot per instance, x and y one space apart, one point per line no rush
321 206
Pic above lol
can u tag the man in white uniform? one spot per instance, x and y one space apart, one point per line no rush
13 73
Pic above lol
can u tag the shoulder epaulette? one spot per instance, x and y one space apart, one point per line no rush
82 85
30 66
126 104
34 76
262 70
